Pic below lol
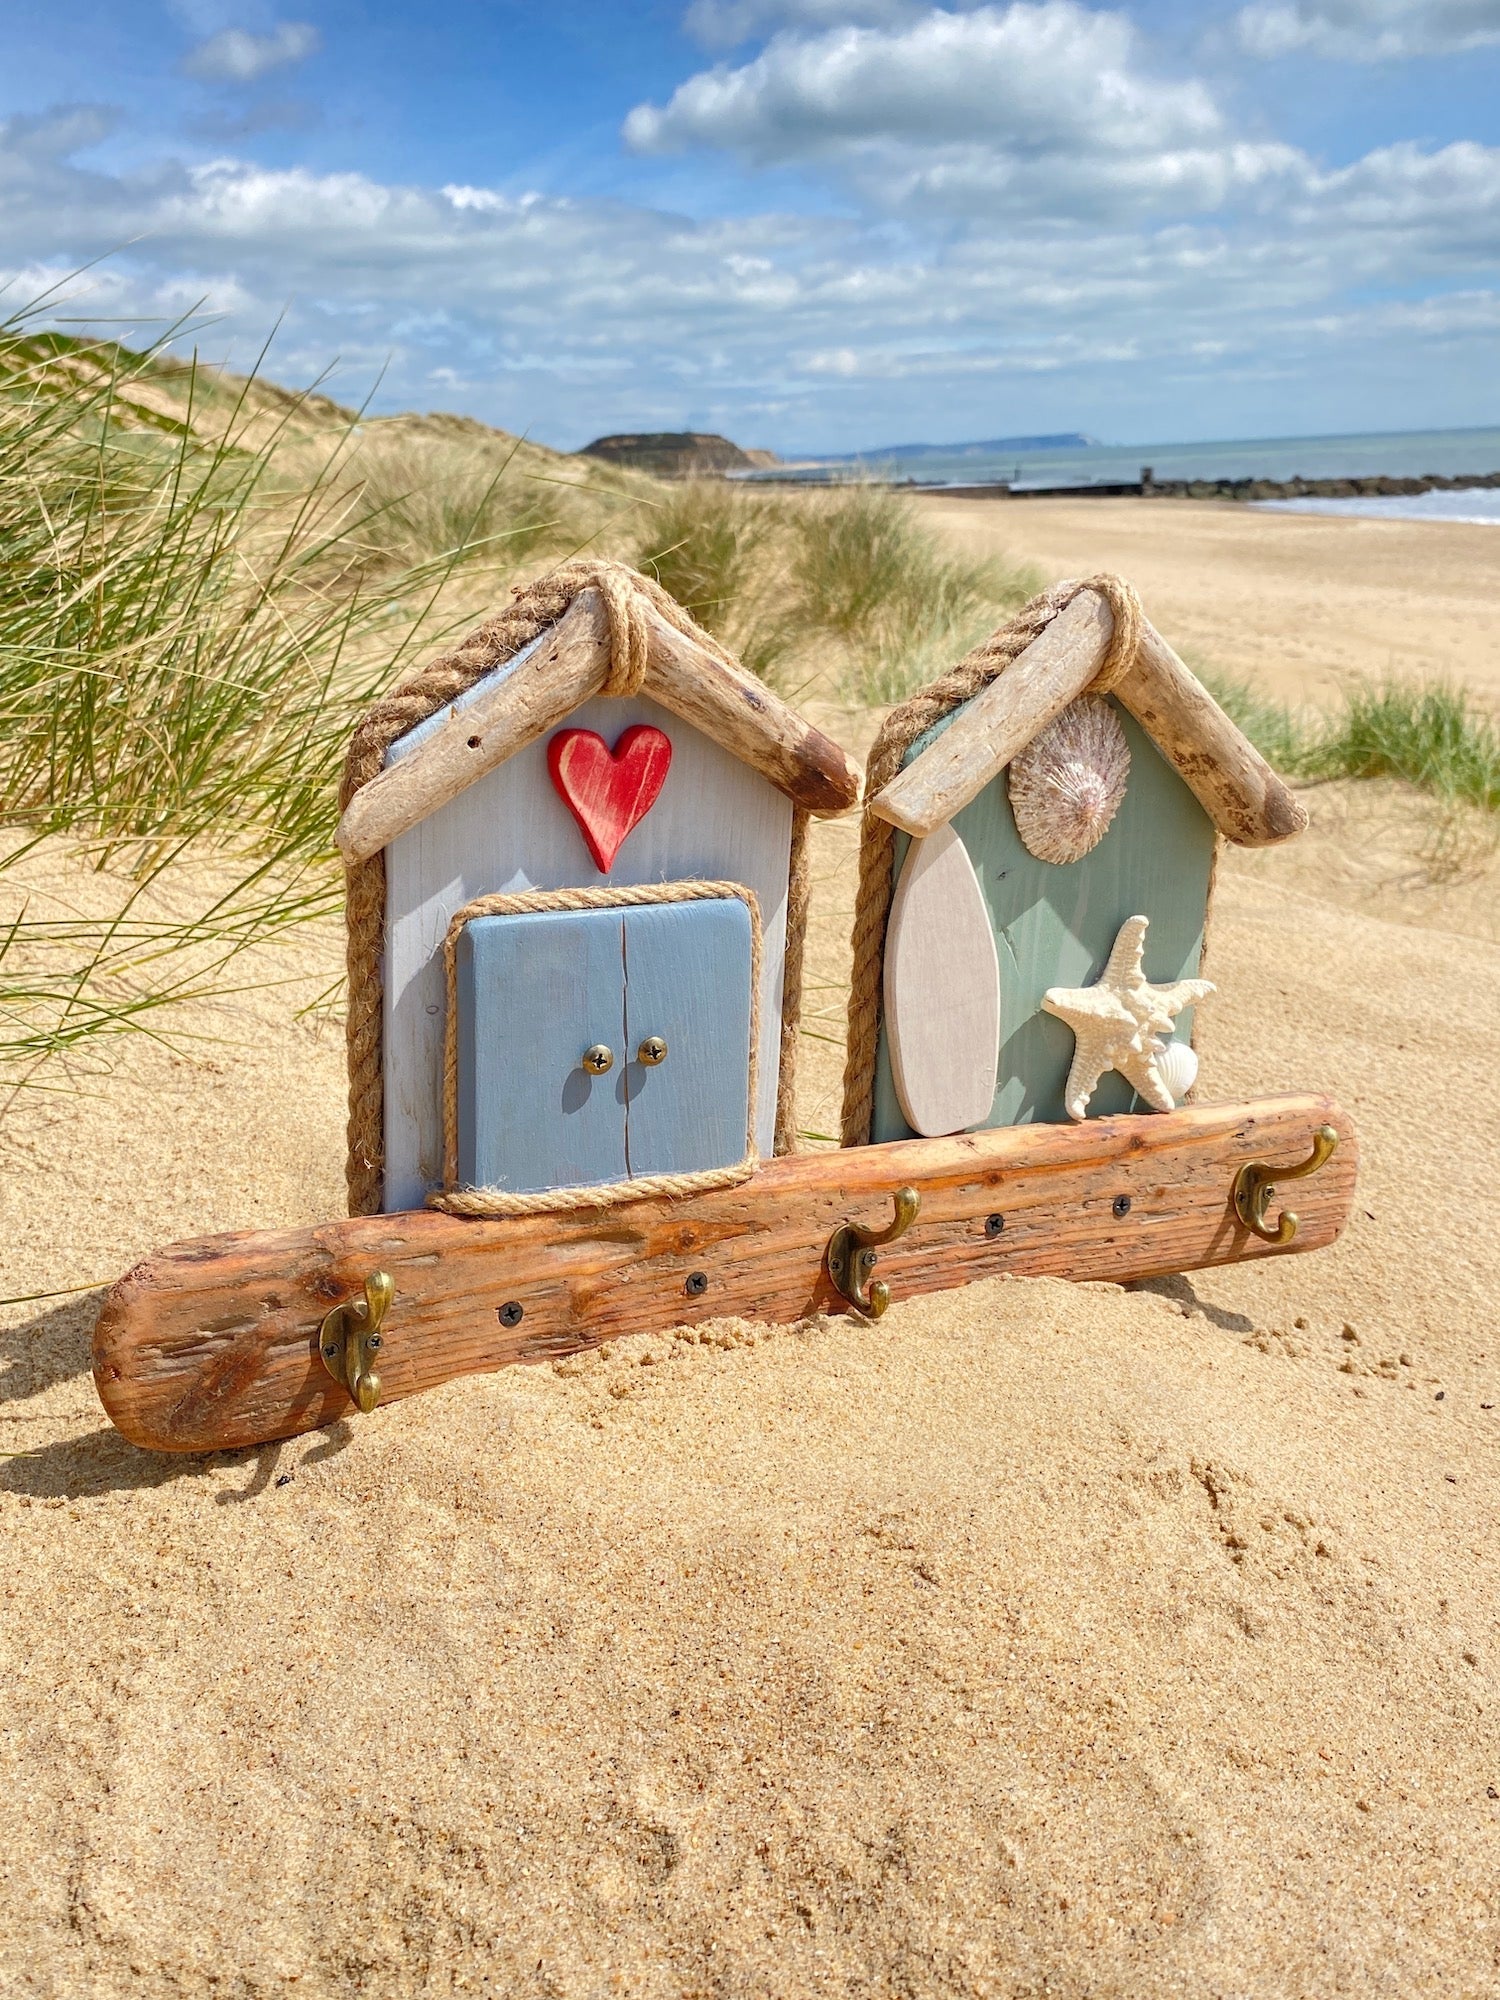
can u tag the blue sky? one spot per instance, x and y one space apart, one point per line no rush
812 224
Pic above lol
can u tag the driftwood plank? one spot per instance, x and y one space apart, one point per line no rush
747 718
1000 721
212 1344
556 674
1232 782
546 681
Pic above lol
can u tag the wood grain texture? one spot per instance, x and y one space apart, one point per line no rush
547 680
1054 924
210 1344
609 791
687 980
534 991
715 820
748 719
1001 720
942 989
498 716
1233 783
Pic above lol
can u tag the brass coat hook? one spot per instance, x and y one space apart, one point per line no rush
350 1338
851 1255
1255 1183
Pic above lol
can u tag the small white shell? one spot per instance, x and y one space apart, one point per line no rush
1067 784
1177 1066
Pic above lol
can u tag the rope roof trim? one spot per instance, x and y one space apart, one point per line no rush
590 627
1093 636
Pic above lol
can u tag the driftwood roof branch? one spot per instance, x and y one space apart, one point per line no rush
568 664
1233 783
1222 768
1000 720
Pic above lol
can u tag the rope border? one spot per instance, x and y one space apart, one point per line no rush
528 902
533 608
877 837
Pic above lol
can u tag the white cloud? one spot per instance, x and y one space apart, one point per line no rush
228 200
115 293
1368 30
1042 75
234 55
1449 314
1074 186
1411 208
845 361
58 133
1036 302
1039 109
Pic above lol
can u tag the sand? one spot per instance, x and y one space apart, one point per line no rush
1042 1640
1298 604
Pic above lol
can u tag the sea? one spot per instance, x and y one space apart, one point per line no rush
1352 455
1479 506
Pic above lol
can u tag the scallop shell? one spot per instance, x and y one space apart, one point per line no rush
1177 1066
1067 784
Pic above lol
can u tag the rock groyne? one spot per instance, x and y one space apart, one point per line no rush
1306 489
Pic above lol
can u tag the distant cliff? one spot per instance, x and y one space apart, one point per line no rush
982 448
676 454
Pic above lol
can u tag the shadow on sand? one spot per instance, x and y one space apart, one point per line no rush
52 1348
1180 1291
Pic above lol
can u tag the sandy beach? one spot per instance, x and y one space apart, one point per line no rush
1040 1640
1295 603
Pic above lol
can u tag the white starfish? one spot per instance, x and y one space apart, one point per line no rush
1121 1022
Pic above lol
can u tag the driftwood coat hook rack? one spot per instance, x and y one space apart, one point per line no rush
577 896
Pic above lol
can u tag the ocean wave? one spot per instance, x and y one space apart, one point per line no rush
1479 506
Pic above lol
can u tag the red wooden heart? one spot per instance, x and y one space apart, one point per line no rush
609 793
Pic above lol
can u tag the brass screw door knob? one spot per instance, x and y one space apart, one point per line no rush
652 1051
599 1060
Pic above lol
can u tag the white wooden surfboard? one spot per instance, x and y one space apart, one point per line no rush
942 990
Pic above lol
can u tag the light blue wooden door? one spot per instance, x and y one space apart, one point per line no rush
688 983
535 991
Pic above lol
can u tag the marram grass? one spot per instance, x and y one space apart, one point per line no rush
1433 736
184 646
868 571
203 583
854 570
